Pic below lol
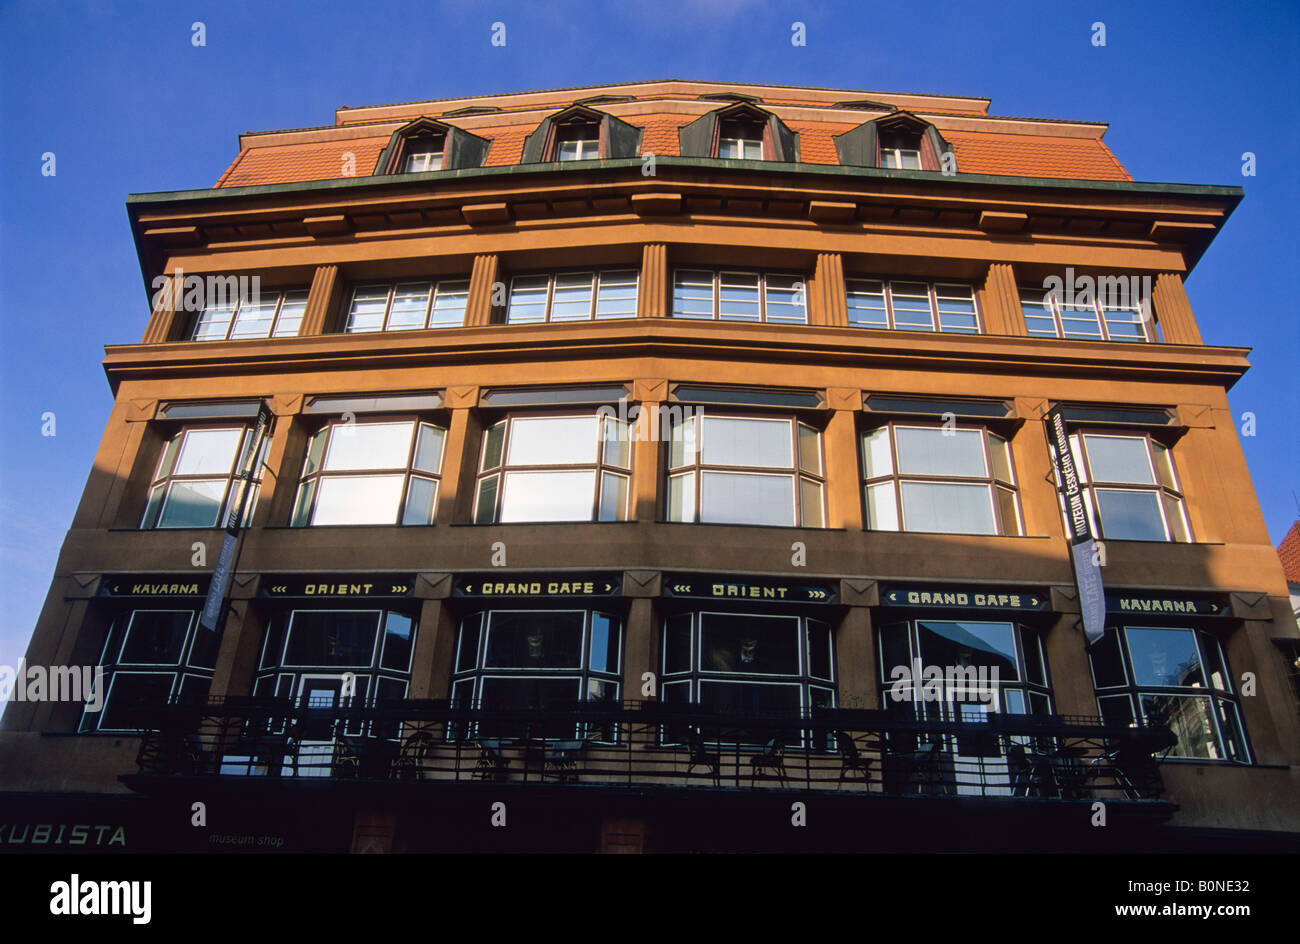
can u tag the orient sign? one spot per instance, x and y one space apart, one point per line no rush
527 585
696 586
338 586
987 598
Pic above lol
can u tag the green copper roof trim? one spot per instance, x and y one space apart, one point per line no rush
366 182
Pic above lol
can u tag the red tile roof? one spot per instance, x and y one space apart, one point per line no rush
1028 155
283 163
1289 552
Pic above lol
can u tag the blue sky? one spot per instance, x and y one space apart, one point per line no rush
127 104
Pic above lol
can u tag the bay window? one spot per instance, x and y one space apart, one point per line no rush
152 657
572 296
1174 676
912 306
728 295
746 470
372 472
196 482
408 306
510 660
1130 487
951 480
748 664
554 468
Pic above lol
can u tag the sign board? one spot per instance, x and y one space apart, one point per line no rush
1083 547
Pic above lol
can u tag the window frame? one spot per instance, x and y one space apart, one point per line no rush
160 484
282 297
600 467
598 276
897 477
737 129
1165 494
696 467
1134 691
1054 306
799 288
933 287
306 497
436 291
565 133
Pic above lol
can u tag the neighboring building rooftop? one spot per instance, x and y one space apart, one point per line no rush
1289 552
982 143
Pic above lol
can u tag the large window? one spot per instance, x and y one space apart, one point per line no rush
518 660
408 306
572 296
1049 315
912 306
196 482
371 472
331 659
746 470
954 480
748 664
1130 487
1171 676
151 657
266 315
729 295
554 468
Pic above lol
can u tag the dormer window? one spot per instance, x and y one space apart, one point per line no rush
577 141
424 152
900 151
423 160
740 139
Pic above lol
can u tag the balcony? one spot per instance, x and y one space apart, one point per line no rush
647 746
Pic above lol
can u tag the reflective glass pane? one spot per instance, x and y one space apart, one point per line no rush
192 504
784 296
810 503
398 631
956 304
208 451
603 653
618 442
911 304
130 690
866 304
692 293
369 306
766 645
819 649
548 496
882 510
428 449
449 305
940 451
876 457
1190 718
156 637
485 506
1000 457
291 312
742 498
527 299
573 296
255 318
535 639
616 296
492 444
738 296
332 638
677 644
986 645
1119 459
1131 515
810 450
682 450
356 446
358 499
681 497
1079 321
613 497
1165 657
410 307
745 442
552 440
420 497
948 508
467 646
213 323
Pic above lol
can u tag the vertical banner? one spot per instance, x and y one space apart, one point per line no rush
1083 548
212 605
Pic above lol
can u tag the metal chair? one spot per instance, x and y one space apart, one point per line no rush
562 761
492 763
409 763
771 759
701 756
851 759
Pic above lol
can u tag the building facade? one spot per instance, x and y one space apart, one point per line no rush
663 467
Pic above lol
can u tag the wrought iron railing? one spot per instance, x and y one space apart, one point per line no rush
643 744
